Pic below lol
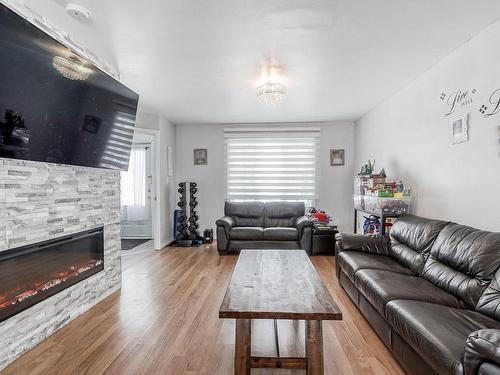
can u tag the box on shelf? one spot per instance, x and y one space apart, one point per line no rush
382 206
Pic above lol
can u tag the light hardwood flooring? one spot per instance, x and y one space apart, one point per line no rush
165 321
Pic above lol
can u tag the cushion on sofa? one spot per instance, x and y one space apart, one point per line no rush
380 287
353 261
411 240
247 233
489 302
438 333
463 261
245 214
281 234
279 214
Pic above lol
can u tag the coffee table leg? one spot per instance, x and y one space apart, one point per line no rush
242 349
314 347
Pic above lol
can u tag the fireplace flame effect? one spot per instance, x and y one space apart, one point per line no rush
16 296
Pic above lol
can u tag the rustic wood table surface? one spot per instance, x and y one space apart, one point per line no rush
278 284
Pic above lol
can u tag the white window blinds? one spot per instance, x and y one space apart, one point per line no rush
273 164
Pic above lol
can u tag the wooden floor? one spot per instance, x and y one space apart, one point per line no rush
165 321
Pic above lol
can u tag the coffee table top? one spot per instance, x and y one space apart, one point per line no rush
277 284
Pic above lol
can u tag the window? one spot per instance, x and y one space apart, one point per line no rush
273 164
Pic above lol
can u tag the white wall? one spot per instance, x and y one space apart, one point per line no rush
166 194
335 184
409 135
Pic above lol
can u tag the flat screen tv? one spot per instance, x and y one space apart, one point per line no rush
56 106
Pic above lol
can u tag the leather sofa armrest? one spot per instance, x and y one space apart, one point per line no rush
358 242
224 225
227 222
481 346
301 223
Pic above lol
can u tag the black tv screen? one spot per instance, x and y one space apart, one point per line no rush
56 106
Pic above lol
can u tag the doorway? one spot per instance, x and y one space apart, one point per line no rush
138 195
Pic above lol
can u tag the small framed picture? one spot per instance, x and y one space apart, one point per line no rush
337 157
200 156
460 130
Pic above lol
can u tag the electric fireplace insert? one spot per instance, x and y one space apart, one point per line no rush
32 273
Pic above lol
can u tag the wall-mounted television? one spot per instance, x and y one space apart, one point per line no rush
56 106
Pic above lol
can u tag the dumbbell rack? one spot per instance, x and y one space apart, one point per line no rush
187 227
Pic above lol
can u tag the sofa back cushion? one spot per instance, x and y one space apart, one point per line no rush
489 302
245 214
463 262
411 240
282 214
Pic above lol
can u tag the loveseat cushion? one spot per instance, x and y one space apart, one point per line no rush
411 240
352 261
247 233
380 287
463 261
282 214
245 214
281 234
438 333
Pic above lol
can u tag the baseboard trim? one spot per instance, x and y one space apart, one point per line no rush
166 243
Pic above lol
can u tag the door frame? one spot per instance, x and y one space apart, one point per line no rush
155 201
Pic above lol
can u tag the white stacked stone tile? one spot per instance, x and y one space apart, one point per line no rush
41 201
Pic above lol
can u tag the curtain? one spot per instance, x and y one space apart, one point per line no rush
133 187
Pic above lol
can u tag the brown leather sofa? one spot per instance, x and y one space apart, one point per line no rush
431 291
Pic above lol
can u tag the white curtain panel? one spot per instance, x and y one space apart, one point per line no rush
133 187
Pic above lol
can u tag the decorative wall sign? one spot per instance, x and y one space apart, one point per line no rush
459 98
337 157
493 106
460 130
200 156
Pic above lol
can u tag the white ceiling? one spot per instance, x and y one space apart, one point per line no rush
198 61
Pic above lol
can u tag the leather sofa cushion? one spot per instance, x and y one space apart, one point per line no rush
438 333
353 261
380 287
489 302
411 240
463 261
245 214
247 233
281 234
282 214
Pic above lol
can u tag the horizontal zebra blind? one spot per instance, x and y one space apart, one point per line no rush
272 165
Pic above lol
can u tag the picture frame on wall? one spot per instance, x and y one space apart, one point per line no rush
200 156
337 157
460 130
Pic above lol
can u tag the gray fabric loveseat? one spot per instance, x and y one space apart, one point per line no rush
258 225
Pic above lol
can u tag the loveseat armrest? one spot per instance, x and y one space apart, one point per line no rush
481 346
227 222
224 225
303 222
358 242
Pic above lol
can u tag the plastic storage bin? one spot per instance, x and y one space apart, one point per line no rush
382 206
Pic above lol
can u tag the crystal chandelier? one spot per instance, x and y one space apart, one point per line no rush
71 68
271 93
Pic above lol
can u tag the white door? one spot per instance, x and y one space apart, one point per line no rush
136 193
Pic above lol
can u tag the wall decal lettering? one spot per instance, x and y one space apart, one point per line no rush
459 98
494 102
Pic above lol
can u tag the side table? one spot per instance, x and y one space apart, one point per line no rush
323 240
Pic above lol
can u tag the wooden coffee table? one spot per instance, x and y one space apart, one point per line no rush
278 284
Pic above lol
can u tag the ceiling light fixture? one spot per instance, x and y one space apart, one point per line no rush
71 68
271 93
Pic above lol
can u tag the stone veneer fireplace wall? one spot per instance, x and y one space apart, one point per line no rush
41 201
